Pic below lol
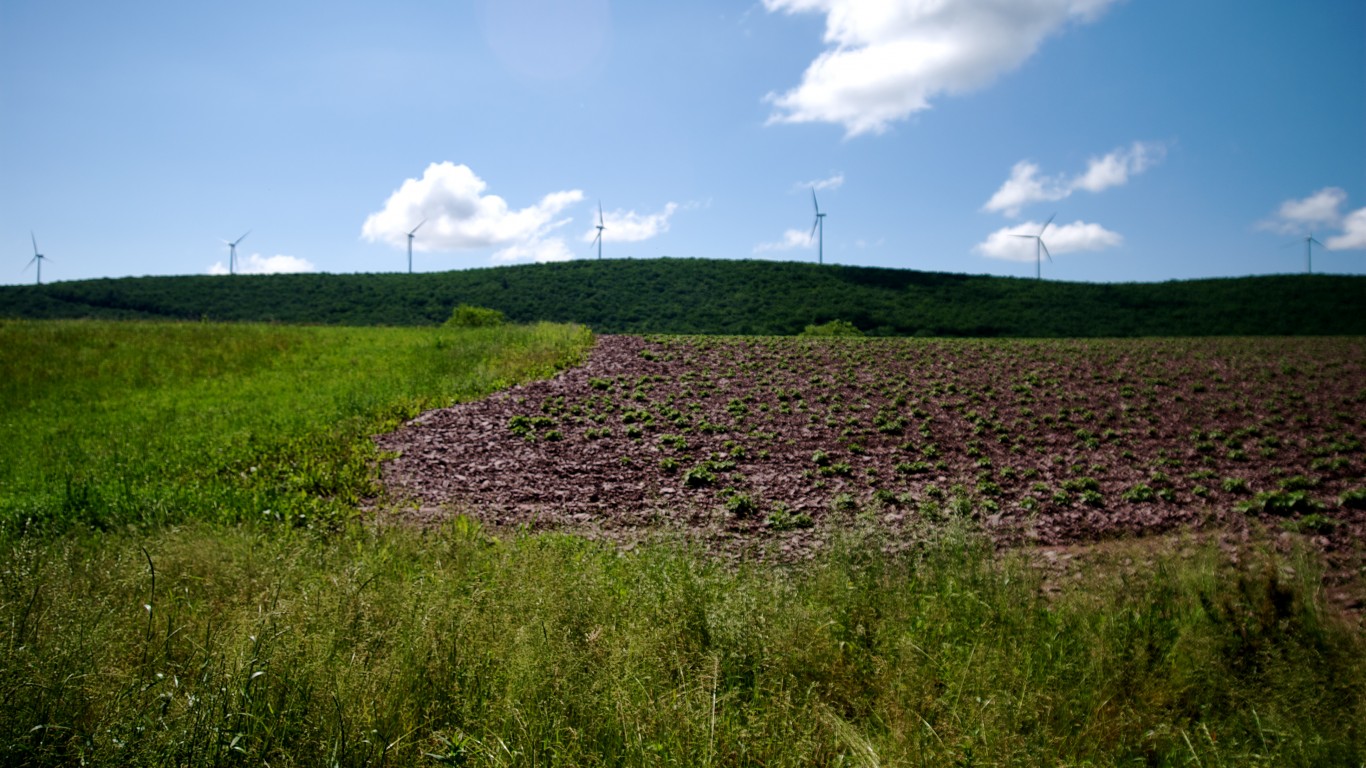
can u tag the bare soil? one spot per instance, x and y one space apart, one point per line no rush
763 446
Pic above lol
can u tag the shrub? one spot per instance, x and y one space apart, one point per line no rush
832 328
466 316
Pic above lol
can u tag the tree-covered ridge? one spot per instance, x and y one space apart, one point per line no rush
729 297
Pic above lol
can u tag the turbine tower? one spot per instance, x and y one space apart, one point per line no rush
819 223
600 228
1309 241
411 233
232 252
37 258
1040 247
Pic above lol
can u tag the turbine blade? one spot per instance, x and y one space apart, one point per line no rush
243 237
815 204
30 263
814 224
1031 237
600 221
1044 246
419 226
1046 223
35 242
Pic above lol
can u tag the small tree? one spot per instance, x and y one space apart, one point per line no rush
466 316
832 328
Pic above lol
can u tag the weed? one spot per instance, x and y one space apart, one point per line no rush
741 505
1139 492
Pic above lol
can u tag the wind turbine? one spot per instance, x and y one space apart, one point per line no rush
37 258
232 252
411 233
1309 241
819 223
600 228
1040 247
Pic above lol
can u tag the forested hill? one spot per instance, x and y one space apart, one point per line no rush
729 297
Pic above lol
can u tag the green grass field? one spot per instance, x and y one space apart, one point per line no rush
185 580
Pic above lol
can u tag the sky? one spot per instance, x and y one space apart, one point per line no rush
1155 139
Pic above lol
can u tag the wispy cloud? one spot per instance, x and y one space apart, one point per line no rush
460 216
792 239
620 226
832 182
535 249
1027 185
886 59
1076 237
256 264
1321 209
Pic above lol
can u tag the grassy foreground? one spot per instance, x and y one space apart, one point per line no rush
160 617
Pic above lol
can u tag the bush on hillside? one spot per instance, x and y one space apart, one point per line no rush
466 316
832 328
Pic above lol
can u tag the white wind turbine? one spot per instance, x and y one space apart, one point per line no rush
37 258
411 233
1039 247
600 228
1309 241
819 223
232 252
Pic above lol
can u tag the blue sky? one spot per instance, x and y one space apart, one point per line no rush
1172 139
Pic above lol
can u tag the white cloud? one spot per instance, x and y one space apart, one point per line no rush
833 182
538 250
1076 237
1026 185
1114 169
460 216
256 264
630 227
887 58
1322 209
1353 236
792 238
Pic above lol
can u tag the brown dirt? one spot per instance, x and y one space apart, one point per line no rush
1053 443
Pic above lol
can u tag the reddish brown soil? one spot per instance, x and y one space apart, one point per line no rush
1052 442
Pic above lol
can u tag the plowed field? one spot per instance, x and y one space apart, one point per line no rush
771 441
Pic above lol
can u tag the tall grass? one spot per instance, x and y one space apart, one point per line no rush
114 424
158 608
207 646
